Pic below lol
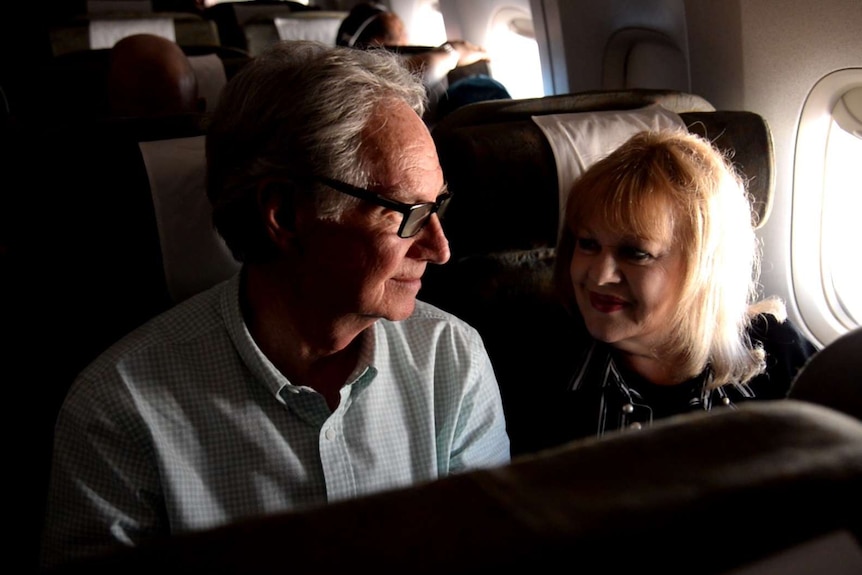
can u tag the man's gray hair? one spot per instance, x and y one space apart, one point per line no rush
295 111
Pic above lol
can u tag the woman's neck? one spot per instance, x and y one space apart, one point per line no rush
657 371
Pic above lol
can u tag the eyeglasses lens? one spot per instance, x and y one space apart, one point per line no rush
419 216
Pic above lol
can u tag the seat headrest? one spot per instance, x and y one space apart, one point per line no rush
104 33
580 139
211 76
502 167
193 254
321 26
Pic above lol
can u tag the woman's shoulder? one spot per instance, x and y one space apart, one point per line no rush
773 332
787 351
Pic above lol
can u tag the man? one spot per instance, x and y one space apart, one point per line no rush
312 376
151 76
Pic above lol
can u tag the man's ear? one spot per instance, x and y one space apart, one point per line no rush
276 204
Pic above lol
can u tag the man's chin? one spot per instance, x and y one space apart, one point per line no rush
400 310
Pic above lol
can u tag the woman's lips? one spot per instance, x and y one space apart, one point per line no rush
606 303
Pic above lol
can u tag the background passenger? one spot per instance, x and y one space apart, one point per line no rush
371 24
659 262
469 90
313 375
151 76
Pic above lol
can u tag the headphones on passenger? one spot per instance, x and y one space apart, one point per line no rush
348 39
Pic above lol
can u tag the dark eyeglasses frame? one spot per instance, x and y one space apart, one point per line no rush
420 213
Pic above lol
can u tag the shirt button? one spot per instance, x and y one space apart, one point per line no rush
329 434
725 400
628 408
636 425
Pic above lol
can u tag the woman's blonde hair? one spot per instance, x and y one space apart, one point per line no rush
679 174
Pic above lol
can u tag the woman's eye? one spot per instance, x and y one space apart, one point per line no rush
635 254
587 245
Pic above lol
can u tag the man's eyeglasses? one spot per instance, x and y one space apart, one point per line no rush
415 215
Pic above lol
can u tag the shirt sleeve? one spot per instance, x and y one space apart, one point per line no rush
103 490
480 433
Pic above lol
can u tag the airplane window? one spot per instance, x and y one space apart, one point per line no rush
827 201
842 205
515 63
426 25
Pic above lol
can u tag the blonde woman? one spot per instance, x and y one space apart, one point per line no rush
658 262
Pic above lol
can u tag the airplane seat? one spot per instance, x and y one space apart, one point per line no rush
231 17
737 492
318 25
112 226
103 30
832 376
91 253
504 161
74 84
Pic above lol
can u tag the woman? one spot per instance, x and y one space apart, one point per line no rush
659 262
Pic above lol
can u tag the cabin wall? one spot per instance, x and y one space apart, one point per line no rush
758 55
576 32
780 49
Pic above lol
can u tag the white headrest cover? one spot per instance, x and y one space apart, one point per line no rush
211 76
195 257
579 139
106 33
320 29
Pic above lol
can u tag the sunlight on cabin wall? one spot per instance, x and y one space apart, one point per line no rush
426 25
515 54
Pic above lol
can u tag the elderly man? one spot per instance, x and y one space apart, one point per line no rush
313 375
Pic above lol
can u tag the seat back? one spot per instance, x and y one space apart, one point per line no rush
110 226
232 17
98 30
123 204
833 377
784 474
74 84
318 25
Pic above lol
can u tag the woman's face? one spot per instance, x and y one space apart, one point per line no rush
626 287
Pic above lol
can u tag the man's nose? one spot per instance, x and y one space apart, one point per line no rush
432 243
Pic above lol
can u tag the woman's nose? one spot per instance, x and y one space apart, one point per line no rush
604 269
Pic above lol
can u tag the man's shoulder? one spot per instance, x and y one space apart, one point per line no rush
162 335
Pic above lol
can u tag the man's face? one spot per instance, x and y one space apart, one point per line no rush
359 265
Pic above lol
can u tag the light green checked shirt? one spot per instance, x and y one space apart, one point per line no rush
185 425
